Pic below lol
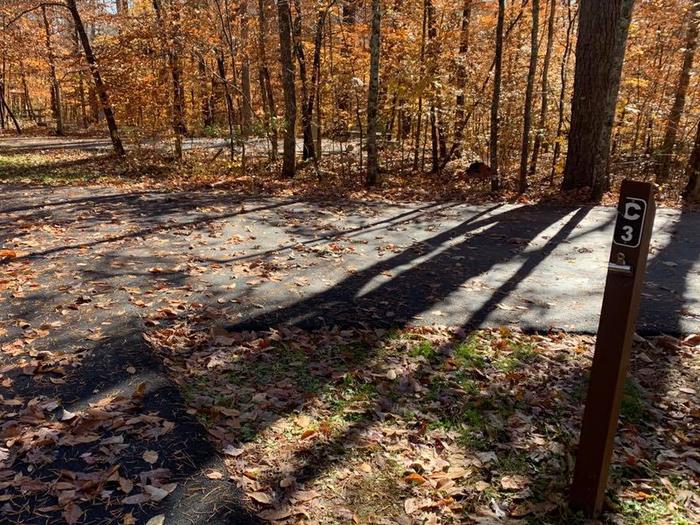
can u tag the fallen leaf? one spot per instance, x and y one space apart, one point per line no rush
157 520
156 493
514 482
261 497
72 513
214 474
150 456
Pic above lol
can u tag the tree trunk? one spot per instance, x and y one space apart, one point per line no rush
53 80
562 90
284 20
432 53
247 107
534 48
542 124
372 96
308 147
663 166
171 38
315 95
97 77
206 97
600 52
692 189
496 99
221 66
461 77
419 118
11 115
265 83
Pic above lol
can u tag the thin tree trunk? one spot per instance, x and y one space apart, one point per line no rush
265 83
542 124
527 117
9 111
247 108
171 39
562 90
674 117
496 99
284 20
315 79
461 77
53 80
432 59
97 77
221 66
692 189
25 90
373 95
419 118
600 51
308 145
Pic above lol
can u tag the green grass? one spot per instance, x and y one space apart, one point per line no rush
632 405
424 349
467 354
521 355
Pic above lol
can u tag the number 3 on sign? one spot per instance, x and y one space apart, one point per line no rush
627 234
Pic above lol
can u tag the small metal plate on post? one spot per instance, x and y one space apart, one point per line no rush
623 287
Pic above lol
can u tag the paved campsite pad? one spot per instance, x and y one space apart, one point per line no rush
88 270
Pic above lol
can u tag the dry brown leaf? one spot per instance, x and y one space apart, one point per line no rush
514 482
150 456
72 513
261 497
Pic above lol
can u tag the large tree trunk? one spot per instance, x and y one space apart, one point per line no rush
284 20
97 77
600 52
265 83
496 98
692 190
373 96
665 155
541 125
527 117
53 80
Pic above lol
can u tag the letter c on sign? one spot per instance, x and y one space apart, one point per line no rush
632 210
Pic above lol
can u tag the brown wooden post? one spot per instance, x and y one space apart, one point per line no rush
626 268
